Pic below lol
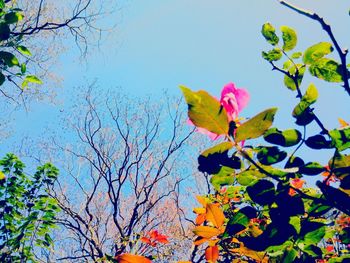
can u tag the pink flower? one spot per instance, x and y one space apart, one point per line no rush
233 100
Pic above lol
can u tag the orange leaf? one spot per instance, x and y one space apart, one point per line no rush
200 241
212 254
215 215
130 258
206 231
200 219
145 240
343 123
153 234
201 200
162 239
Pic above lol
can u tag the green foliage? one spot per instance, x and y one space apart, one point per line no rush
289 37
326 69
256 126
268 31
272 55
13 54
317 51
270 215
27 212
205 111
284 138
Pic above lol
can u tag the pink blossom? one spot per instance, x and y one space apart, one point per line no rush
233 100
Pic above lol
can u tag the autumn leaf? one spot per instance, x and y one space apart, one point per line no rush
200 241
201 200
258 256
130 258
200 219
145 240
206 231
215 215
212 254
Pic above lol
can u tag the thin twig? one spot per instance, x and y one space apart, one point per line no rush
326 27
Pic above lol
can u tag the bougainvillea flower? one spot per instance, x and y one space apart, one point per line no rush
233 100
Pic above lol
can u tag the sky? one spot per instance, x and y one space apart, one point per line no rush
203 44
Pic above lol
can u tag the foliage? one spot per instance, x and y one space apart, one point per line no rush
260 209
27 212
13 54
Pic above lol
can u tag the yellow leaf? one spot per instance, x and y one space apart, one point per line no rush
215 215
201 200
206 231
200 241
2 176
258 256
255 230
130 258
199 210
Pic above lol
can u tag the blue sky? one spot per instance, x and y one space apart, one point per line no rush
203 44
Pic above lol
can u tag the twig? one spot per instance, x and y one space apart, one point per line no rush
326 27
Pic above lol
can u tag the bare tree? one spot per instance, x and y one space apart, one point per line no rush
47 29
122 178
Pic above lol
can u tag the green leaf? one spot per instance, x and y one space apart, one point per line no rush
24 50
305 117
297 71
220 148
317 51
318 142
270 155
9 59
295 222
262 192
341 138
312 232
286 138
33 79
23 68
2 78
224 177
312 168
4 32
248 177
309 98
296 55
272 55
289 37
335 197
205 111
13 17
268 31
256 126
340 164
327 69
